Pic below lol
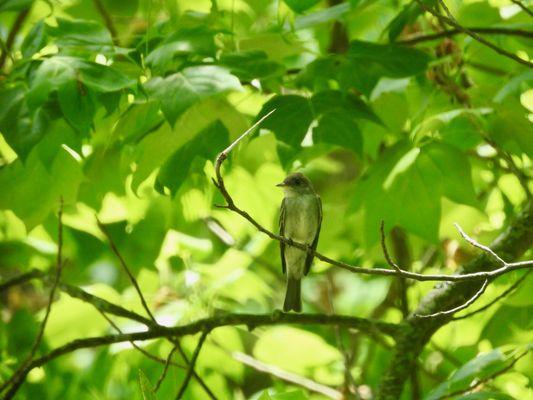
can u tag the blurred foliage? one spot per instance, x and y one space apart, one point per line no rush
120 107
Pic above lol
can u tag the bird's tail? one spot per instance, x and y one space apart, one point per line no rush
293 300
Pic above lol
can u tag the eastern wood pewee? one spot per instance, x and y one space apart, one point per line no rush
300 220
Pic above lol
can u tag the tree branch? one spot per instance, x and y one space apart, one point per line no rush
192 363
452 32
523 7
458 308
414 333
19 21
450 20
208 324
499 297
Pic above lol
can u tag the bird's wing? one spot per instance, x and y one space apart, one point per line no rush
309 257
282 233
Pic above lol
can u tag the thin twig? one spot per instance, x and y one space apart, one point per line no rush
458 308
450 20
20 279
384 248
126 269
138 348
486 249
499 297
18 374
17 25
108 21
192 363
523 7
288 376
201 382
230 205
452 32
144 303
484 380
165 369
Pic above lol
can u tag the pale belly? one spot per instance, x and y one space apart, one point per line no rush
301 224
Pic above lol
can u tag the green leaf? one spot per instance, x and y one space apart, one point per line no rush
34 40
206 145
76 105
180 91
322 16
197 41
290 122
477 368
146 388
299 6
334 100
79 32
14 5
138 120
32 189
251 65
288 348
370 61
453 170
58 71
336 127
515 86
409 14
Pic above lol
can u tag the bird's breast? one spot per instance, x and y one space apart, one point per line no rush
301 218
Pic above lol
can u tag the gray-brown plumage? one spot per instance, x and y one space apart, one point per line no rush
300 220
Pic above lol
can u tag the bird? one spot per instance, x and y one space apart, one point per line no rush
300 221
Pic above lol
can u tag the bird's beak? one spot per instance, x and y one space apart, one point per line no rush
282 184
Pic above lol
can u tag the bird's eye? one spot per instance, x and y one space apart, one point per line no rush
297 181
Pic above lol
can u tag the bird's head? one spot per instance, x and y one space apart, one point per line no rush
296 184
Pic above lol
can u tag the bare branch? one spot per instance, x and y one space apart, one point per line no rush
450 20
458 308
17 25
108 21
20 279
126 269
479 246
288 376
523 7
164 373
192 363
385 251
499 297
452 32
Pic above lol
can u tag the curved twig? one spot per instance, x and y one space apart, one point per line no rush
495 300
452 32
458 308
